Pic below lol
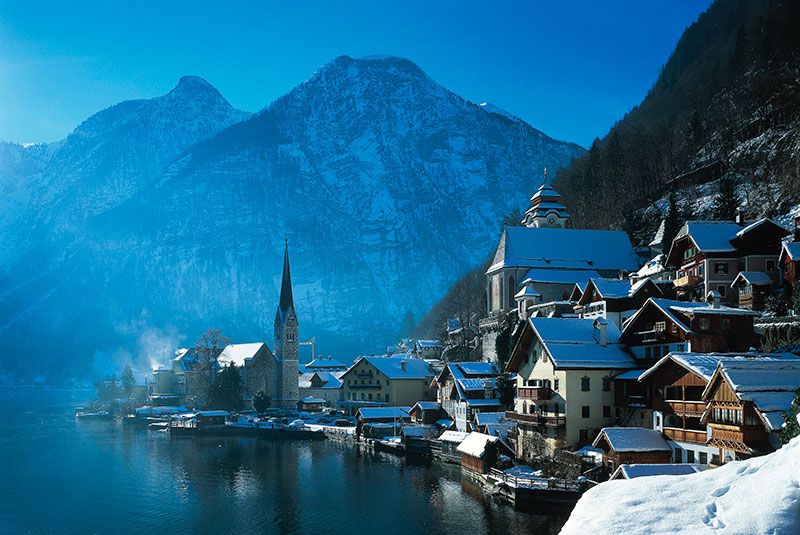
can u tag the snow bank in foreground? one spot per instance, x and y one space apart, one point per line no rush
760 495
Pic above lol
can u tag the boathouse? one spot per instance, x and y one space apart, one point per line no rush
480 453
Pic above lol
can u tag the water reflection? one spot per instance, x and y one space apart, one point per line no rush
101 477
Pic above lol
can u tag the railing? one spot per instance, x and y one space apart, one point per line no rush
536 393
689 408
687 281
694 436
538 419
543 483
735 433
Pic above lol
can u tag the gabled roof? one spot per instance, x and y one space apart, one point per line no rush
383 413
705 364
768 383
792 249
675 309
453 436
484 418
393 368
323 363
754 278
240 354
426 406
575 343
631 439
475 444
558 248
428 343
631 471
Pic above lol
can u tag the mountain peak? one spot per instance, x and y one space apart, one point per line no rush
374 62
194 85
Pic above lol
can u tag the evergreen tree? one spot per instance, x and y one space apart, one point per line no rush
672 221
792 427
696 128
796 298
513 219
727 200
127 380
261 402
226 393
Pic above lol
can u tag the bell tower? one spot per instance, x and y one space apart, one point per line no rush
547 210
286 342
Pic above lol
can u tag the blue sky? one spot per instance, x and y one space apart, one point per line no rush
570 68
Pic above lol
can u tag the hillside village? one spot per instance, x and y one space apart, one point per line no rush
624 363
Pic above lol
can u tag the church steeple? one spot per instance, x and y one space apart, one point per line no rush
546 209
286 301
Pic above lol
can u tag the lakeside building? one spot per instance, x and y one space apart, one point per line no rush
322 384
275 374
747 399
631 445
708 255
386 381
465 389
565 369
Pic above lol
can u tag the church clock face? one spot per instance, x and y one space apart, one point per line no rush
551 221
290 322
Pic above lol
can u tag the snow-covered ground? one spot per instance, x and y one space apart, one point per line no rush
756 496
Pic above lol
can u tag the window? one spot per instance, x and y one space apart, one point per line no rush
720 268
770 265
606 384
701 269
702 457
724 324
585 411
386 398
689 456
585 386
674 328
544 355
679 347
689 253
555 385
704 324
721 288
606 411
661 326
370 396
387 382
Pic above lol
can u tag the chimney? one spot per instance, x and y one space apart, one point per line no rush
713 299
601 336
740 216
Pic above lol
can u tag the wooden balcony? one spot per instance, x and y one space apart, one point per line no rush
540 393
737 437
695 436
687 408
687 282
542 420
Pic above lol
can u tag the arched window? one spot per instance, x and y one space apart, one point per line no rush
511 288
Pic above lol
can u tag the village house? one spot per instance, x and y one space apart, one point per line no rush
708 255
752 289
376 381
379 422
632 405
192 373
565 369
275 374
325 364
615 299
322 384
631 445
429 412
465 389
428 349
445 447
663 325
747 399
480 453
549 259
789 259
166 389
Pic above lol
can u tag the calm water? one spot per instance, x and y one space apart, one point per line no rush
63 476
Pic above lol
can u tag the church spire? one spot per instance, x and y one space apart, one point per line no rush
547 208
286 301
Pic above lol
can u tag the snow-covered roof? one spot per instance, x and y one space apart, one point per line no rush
769 384
711 236
312 399
557 248
453 436
792 249
526 291
632 471
670 307
427 405
383 413
325 363
757 495
477 368
444 423
492 402
560 276
330 380
304 381
483 418
705 364
476 443
428 343
239 354
575 343
652 267
477 384
612 288
398 368
754 278
420 431
630 375
631 439
211 414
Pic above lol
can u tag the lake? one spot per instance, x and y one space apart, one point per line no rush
66 476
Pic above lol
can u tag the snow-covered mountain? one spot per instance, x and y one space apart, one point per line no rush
387 185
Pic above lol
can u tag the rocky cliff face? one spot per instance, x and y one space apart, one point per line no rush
387 185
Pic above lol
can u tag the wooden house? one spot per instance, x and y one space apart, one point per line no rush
446 446
753 288
466 388
747 399
631 445
614 299
480 453
708 255
790 261
427 412
663 325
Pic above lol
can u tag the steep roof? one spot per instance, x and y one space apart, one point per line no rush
557 248
323 363
792 249
672 309
393 368
240 354
475 444
631 439
720 236
575 343
769 384
754 278
705 364
286 300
